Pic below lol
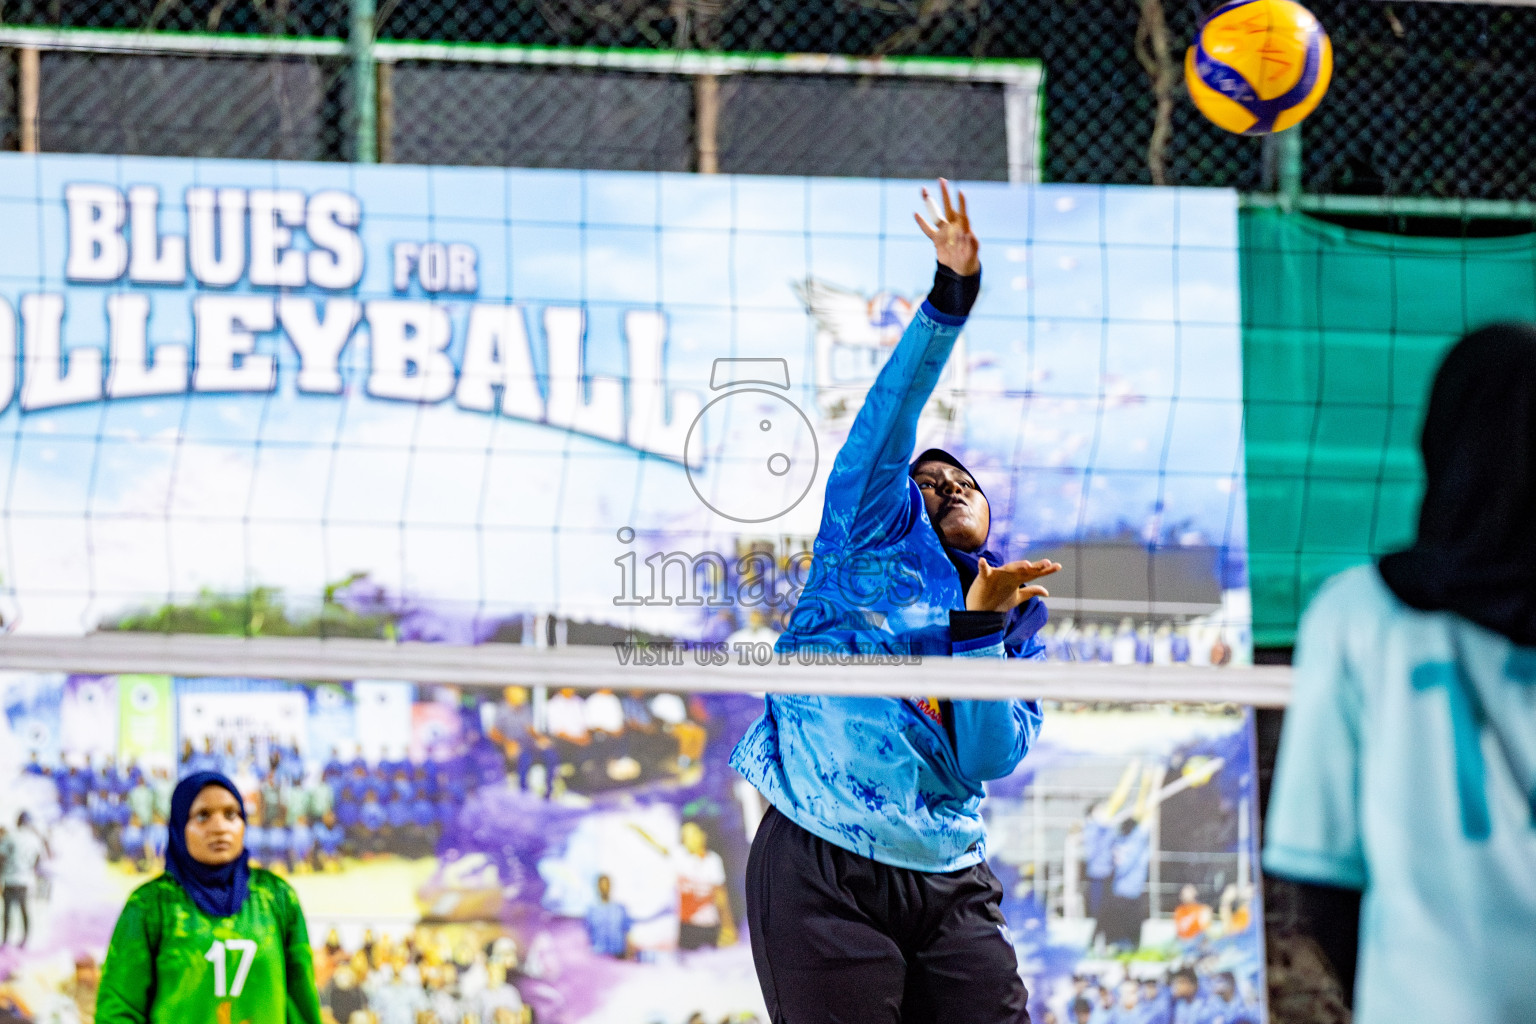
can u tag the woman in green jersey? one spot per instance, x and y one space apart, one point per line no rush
211 941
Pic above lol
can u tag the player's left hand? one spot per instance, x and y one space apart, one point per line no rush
1005 587
953 242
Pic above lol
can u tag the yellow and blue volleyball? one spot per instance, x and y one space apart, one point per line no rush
1258 66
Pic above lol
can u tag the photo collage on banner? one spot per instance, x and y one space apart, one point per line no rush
579 856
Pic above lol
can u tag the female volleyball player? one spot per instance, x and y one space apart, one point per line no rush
211 941
868 896
1407 767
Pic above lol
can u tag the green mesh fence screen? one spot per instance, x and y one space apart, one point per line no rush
1342 333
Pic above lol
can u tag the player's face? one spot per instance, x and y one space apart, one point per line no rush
215 830
955 506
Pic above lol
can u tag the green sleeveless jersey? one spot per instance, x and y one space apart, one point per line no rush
170 963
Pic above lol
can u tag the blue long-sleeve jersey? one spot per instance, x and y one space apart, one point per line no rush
876 775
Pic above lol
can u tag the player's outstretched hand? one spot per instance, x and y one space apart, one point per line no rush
950 233
1007 586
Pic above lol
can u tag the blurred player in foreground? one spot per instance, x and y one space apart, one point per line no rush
213 940
868 895
1407 767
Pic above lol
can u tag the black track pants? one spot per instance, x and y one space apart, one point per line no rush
842 939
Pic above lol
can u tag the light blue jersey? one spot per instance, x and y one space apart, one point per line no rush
1098 848
1133 859
1216 1010
876 775
1407 769
1187 1011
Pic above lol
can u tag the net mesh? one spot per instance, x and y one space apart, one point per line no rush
1428 100
1343 331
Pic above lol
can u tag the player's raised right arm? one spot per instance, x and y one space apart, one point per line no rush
867 489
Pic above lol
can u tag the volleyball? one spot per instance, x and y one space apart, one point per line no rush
1258 66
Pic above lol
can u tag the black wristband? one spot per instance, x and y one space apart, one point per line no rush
953 294
969 625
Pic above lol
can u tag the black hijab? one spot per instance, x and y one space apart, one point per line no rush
219 890
1022 622
1475 554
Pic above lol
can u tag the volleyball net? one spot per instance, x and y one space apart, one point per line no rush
447 411
525 407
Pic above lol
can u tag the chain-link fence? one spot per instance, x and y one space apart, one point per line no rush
153 104
1428 99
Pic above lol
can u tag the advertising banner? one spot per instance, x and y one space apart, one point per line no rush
466 405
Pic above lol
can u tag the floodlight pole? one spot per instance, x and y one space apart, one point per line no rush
365 141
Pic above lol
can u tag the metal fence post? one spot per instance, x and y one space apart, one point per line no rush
386 108
706 102
1289 171
365 142
28 92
